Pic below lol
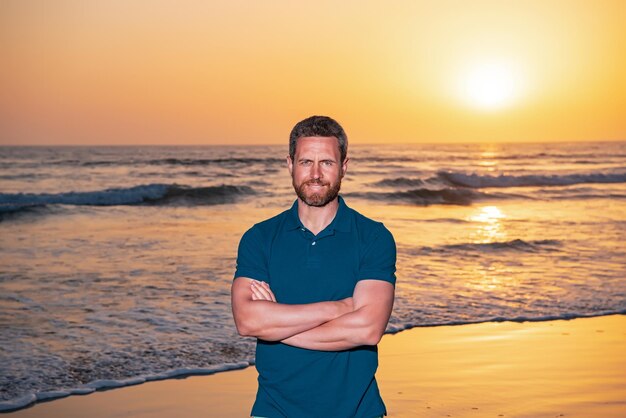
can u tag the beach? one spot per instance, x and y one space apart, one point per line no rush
560 368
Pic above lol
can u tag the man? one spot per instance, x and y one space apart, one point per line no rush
315 286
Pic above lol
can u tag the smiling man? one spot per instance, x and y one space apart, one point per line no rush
315 286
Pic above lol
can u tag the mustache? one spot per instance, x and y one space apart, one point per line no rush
315 182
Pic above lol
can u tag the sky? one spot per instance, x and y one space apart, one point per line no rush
133 72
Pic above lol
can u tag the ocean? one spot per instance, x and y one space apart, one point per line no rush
116 262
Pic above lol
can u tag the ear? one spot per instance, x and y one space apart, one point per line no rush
344 166
290 165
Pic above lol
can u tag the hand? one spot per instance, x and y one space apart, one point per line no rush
261 291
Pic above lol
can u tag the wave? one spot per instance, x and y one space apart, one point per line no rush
21 176
478 181
588 159
209 161
150 194
401 182
395 328
512 245
447 179
10 210
427 197
503 155
180 161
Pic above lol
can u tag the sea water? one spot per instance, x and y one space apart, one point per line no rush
116 262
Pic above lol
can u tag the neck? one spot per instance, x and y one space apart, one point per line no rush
315 218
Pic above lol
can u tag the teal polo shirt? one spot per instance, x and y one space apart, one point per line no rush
301 267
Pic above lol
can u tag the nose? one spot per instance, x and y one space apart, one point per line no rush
316 173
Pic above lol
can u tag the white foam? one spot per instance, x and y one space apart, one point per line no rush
393 329
17 403
199 371
82 391
55 394
103 384
111 383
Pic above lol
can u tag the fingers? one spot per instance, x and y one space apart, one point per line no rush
267 287
256 292
261 291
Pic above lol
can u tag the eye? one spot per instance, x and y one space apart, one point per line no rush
327 163
305 162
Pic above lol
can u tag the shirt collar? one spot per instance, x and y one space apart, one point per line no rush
341 221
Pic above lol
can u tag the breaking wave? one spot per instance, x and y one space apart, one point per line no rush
150 194
477 181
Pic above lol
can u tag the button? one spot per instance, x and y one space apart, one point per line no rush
313 243
302 229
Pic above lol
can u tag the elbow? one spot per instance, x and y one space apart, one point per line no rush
372 336
370 331
243 331
251 329
245 320
244 328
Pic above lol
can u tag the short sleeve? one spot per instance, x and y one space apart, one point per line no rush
251 260
378 261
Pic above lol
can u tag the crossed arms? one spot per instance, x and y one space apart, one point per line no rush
327 326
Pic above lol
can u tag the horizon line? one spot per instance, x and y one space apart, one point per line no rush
286 143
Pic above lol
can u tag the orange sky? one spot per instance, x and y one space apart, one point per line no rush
202 72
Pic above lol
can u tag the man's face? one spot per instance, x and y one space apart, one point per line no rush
317 170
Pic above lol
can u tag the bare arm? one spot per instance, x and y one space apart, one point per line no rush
373 302
258 315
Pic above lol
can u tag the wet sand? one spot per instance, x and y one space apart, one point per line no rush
569 368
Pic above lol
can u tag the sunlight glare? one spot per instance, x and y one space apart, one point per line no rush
488 214
490 228
490 85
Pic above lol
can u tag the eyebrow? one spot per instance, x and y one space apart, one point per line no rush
322 160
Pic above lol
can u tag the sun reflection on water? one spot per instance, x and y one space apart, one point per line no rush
488 160
490 228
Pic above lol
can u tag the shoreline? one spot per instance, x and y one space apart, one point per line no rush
531 368
31 400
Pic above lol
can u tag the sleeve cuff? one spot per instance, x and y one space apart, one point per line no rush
378 275
251 274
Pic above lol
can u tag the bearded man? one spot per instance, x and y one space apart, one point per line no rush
315 285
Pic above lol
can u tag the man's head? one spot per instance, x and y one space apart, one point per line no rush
317 159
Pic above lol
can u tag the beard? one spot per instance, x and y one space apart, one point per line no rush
317 199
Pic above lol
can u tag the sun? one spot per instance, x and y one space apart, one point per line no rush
490 85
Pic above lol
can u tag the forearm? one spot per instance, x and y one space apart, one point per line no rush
257 314
273 321
345 332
